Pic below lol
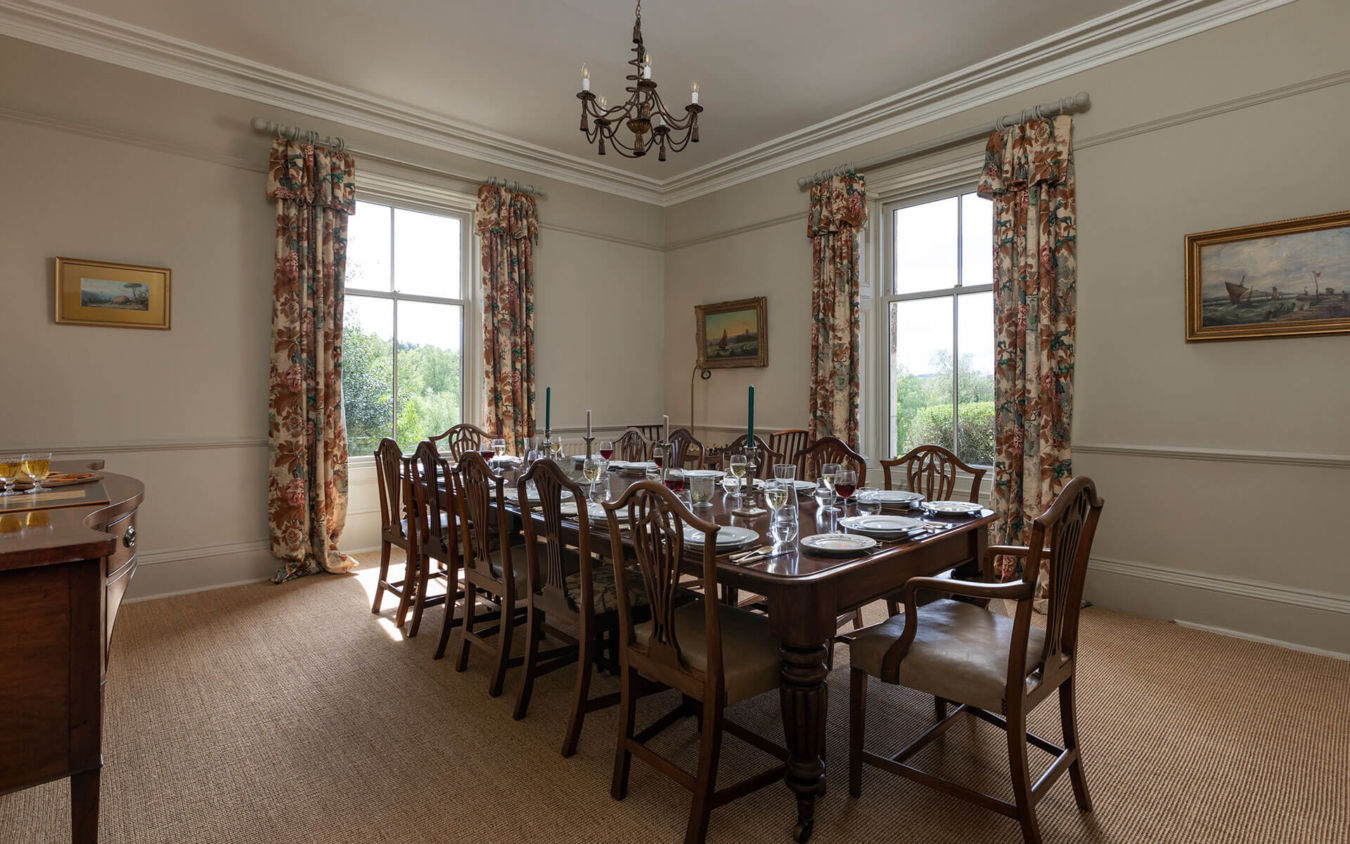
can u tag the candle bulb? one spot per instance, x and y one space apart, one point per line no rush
585 78
750 421
666 438
548 408
588 423
693 93
647 66
602 102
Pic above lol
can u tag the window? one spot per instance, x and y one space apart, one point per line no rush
939 304
403 325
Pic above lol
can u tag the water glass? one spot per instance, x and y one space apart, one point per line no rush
824 494
785 471
869 501
653 472
783 529
9 471
701 489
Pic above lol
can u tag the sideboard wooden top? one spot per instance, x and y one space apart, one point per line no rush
71 533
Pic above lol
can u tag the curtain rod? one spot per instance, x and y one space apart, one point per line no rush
1069 105
281 130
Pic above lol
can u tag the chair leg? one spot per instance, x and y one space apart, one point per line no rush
1068 716
504 637
585 665
623 757
383 578
410 563
857 724
466 629
534 631
450 588
1021 774
705 783
419 602
939 707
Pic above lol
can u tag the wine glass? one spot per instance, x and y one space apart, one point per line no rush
606 449
826 478
37 465
591 470
737 465
10 464
845 482
499 448
659 455
776 495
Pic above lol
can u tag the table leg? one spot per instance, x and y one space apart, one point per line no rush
84 807
804 698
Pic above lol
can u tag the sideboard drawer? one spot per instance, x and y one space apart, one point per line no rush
125 531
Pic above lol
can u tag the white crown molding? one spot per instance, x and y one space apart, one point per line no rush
1138 27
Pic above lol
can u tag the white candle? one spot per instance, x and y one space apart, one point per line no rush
585 78
647 66
588 423
667 436
693 93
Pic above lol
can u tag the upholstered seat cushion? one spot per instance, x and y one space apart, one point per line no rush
444 523
603 589
750 661
960 652
520 569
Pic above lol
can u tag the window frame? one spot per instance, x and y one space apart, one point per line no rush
918 187
406 195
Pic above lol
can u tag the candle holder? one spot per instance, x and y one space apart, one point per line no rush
589 440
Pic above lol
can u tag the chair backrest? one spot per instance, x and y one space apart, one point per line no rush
633 446
427 473
548 575
652 433
461 438
477 492
791 443
657 520
1061 537
831 450
765 455
391 480
931 470
684 450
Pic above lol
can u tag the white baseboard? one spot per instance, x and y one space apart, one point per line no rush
1293 617
178 571
1265 640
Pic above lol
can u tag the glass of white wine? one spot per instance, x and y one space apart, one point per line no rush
776 495
591 470
737 465
37 465
10 464
825 486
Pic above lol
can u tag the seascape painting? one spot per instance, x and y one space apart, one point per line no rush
1276 279
122 295
732 334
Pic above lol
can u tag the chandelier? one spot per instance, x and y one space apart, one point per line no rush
644 115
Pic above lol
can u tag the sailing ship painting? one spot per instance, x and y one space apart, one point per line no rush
1261 281
732 334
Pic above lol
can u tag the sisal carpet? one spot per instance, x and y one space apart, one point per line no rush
291 714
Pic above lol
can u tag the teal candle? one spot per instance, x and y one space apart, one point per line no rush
750 420
548 408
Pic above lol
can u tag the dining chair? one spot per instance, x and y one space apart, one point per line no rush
684 450
431 529
633 446
791 443
461 438
712 653
570 597
392 485
765 455
931 471
494 568
830 450
652 433
994 668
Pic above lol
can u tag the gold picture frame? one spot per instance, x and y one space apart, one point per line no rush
733 334
1289 278
119 295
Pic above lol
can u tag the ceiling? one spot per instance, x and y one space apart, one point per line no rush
765 68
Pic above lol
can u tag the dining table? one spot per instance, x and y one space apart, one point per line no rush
805 595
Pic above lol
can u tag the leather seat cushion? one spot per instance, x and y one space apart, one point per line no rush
520 569
960 652
603 589
750 660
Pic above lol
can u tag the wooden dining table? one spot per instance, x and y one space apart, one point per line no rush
805 595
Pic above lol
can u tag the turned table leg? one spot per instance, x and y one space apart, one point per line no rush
804 697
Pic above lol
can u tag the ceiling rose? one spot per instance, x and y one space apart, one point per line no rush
644 115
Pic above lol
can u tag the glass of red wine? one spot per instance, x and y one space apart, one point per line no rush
486 452
606 449
659 455
845 483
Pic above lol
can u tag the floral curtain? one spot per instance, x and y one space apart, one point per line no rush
1028 173
315 190
508 228
838 212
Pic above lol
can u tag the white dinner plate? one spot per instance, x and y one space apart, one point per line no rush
805 486
897 497
704 473
838 544
594 510
884 526
729 536
631 466
532 493
952 508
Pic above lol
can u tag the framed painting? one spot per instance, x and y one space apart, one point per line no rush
1284 279
732 334
122 295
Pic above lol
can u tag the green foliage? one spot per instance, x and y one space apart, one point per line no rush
428 396
933 425
921 401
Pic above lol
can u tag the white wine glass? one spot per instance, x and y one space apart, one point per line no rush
37 465
591 469
10 465
737 465
776 495
826 479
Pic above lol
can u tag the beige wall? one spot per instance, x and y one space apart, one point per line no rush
1245 539
106 163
